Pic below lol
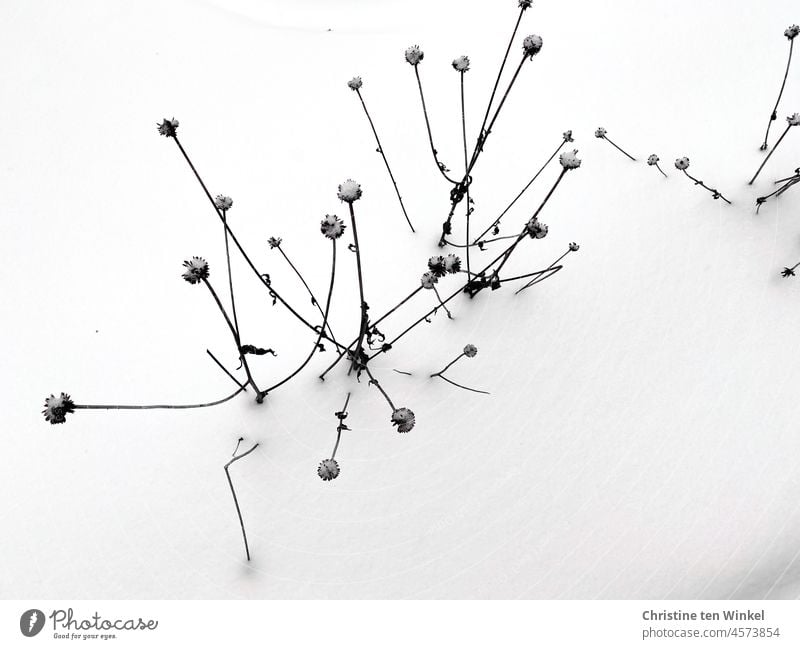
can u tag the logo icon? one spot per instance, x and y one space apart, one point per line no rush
31 622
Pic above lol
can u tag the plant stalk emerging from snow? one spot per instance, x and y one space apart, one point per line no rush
469 352
236 458
682 164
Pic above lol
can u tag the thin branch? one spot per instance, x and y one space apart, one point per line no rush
385 161
235 499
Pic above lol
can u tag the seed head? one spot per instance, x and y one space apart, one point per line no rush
428 280
223 203
168 127
569 159
404 419
274 242
532 45
328 469
452 263
437 266
600 133
568 136
56 408
793 119
461 64
332 226
573 247
196 270
682 163
355 83
791 32
536 230
652 159
414 55
470 351
349 191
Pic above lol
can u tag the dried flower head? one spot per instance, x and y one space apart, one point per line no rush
568 136
328 469
536 229
223 203
525 4
682 163
349 191
652 159
452 263
470 351
56 408
404 419
791 32
168 127
532 45
573 247
355 83
196 270
332 226
793 119
428 280
437 265
461 64
786 272
569 159
414 55
600 132
274 242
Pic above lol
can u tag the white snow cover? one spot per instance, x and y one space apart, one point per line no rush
641 437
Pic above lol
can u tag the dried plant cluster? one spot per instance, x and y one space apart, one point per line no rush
468 273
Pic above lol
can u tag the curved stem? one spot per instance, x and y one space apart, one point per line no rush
385 161
322 326
769 155
774 115
463 387
442 304
236 500
159 407
377 384
439 165
661 170
704 186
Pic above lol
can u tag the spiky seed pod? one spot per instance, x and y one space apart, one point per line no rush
56 408
332 226
328 469
349 191
404 419
196 270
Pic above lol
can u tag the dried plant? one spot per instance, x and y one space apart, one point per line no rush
369 341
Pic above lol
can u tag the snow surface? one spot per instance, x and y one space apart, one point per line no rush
641 439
